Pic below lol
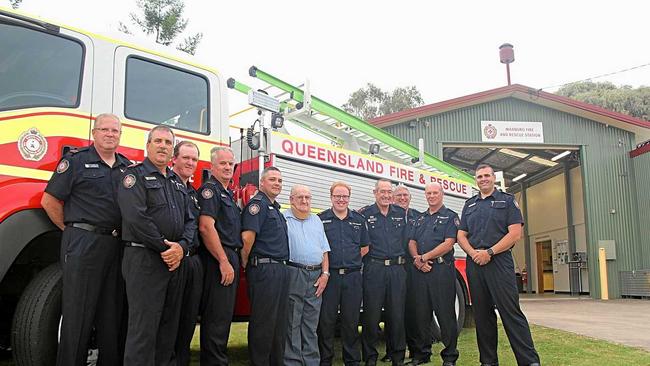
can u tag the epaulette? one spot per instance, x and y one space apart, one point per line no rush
75 150
123 157
362 209
399 208
134 165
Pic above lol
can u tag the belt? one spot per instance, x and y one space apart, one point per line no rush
343 271
261 260
309 267
95 229
390 261
132 244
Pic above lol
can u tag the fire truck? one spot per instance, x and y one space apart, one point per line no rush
54 81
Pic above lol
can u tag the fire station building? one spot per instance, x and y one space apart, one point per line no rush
580 173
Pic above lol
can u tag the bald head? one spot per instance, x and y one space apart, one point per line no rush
300 199
433 193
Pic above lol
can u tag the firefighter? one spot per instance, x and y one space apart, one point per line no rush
184 162
80 199
348 239
431 245
220 227
308 278
158 231
402 198
384 276
264 257
490 226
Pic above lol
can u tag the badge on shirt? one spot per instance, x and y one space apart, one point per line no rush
254 209
63 166
128 181
516 204
90 166
207 193
457 222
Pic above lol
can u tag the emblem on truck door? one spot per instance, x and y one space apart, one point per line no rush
32 145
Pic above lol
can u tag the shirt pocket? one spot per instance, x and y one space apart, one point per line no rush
498 212
354 233
155 193
440 224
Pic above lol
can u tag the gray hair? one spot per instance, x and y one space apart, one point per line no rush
161 128
215 150
106 116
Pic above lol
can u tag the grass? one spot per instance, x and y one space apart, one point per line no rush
555 347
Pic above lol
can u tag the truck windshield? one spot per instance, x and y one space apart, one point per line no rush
38 69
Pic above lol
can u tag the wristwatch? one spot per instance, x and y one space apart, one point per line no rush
326 273
490 252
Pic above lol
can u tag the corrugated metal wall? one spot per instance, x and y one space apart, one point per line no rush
642 173
608 172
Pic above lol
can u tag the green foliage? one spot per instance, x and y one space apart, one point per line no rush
624 99
164 19
15 3
370 102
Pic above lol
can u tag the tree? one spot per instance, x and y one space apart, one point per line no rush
371 102
624 99
15 3
164 19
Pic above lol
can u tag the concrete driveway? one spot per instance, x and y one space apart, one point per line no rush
623 321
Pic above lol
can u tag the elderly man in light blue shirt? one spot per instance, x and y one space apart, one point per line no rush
308 276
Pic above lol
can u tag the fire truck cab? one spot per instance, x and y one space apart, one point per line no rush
53 81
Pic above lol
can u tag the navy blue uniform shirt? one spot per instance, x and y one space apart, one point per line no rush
218 203
155 207
429 230
269 225
388 234
88 187
486 220
346 237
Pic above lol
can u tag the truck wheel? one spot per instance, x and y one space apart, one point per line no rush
36 320
460 306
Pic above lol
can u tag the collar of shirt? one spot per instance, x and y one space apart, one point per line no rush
220 188
95 158
149 168
441 210
329 214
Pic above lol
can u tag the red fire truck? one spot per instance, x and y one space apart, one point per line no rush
56 79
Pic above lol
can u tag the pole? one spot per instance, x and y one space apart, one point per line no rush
508 72
602 263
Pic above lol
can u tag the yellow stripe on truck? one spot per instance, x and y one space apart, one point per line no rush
20 172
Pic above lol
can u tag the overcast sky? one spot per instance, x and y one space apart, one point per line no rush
445 48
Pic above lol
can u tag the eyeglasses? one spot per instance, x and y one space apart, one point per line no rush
107 130
300 198
340 197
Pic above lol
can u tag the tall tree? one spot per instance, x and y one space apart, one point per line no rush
15 3
370 102
164 19
624 99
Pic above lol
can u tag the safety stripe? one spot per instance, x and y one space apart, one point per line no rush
20 172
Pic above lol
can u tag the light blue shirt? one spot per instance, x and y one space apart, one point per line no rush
307 240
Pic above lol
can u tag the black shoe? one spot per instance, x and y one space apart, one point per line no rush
489 364
535 364
449 363
418 361
386 358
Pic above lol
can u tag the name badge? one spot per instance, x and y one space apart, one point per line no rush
90 166
149 178
327 221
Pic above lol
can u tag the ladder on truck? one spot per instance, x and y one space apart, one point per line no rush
344 129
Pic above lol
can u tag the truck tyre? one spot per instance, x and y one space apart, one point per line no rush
35 326
460 306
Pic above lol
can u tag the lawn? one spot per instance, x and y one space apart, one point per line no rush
554 346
